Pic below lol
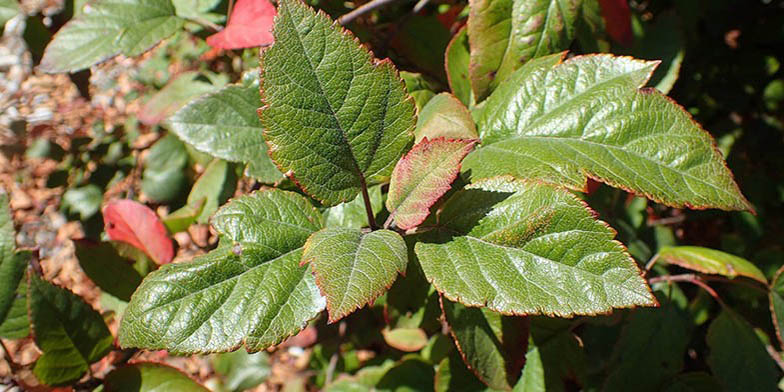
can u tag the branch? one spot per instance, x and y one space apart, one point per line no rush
368 206
689 278
363 9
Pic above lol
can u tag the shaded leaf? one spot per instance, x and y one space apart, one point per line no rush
216 185
693 382
353 214
493 346
505 34
494 245
586 117
711 261
422 176
106 28
352 268
250 25
409 375
178 92
456 61
663 41
85 201
452 375
776 298
149 377
554 356
738 359
69 332
225 125
111 272
12 270
419 87
16 324
405 339
445 116
250 291
618 20
136 224
164 177
334 116
425 54
241 371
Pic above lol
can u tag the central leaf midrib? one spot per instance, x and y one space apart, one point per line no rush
357 170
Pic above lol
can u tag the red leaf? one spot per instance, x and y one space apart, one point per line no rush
250 25
136 224
618 20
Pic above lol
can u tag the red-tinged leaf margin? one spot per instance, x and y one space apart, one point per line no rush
406 167
250 25
618 21
378 63
525 325
134 223
778 328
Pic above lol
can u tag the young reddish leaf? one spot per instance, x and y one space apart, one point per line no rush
250 25
618 20
422 176
134 223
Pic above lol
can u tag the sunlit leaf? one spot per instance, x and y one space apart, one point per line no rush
711 261
136 224
250 25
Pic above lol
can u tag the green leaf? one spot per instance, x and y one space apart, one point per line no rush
85 201
69 332
564 122
150 377
711 261
419 87
253 292
492 345
405 339
528 248
738 359
352 268
225 125
353 214
241 371
7 233
216 185
445 116
776 298
12 269
554 355
163 177
505 34
422 176
651 348
457 59
180 220
693 382
178 92
17 324
424 54
111 272
8 9
452 375
334 116
663 41
107 28
410 375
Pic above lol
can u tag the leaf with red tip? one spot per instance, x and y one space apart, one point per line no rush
618 21
422 176
136 224
250 25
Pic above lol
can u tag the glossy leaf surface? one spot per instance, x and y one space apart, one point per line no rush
69 332
422 176
251 291
334 116
586 117
149 377
456 62
352 268
526 248
711 261
136 224
445 116
106 28
225 125
492 345
505 34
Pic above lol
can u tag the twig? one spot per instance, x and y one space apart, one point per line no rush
368 206
419 5
689 278
667 221
363 9
650 264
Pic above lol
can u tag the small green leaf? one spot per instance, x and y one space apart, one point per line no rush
495 245
405 339
12 269
216 185
17 324
180 220
457 62
241 371
164 177
776 297
587 117
111 272
107 28
505 34
419 87
422 176
410 375
251 291
69 332
334 116
711 261
178 92
738 359
492 345
85 201
352 268
150 377
225 125
353 214
445 116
